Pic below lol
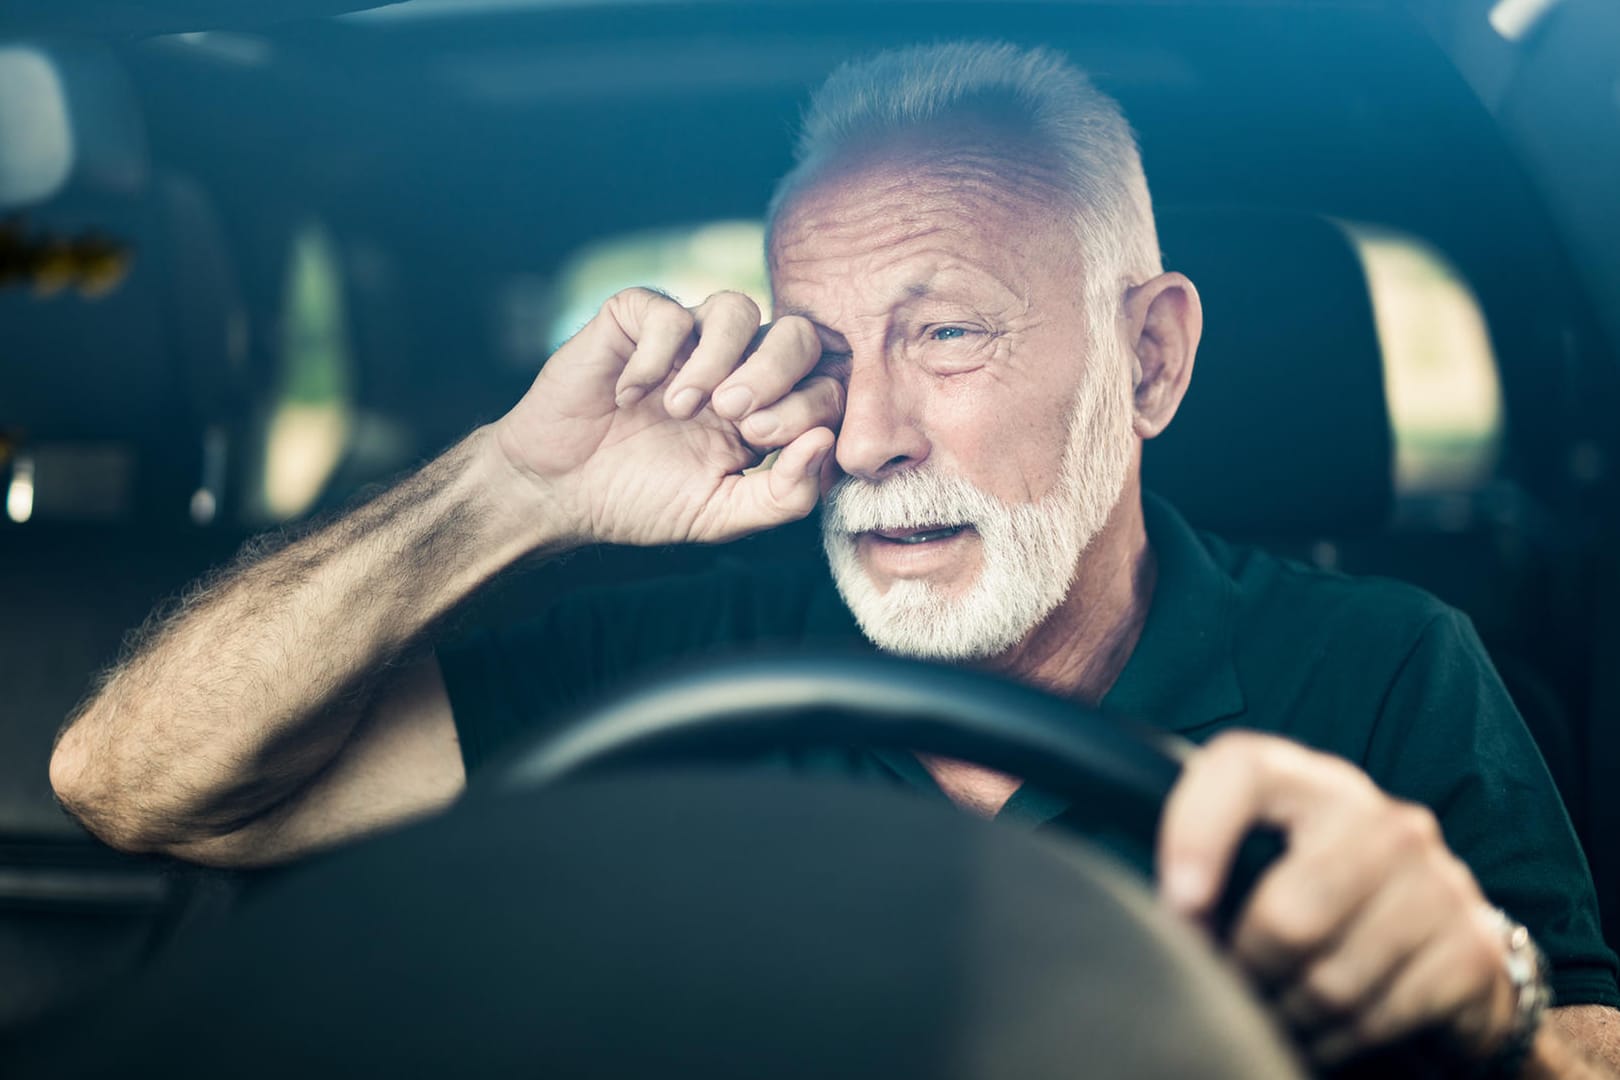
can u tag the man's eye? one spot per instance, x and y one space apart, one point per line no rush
948 333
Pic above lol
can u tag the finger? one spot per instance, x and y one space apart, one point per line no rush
1459 978
726 323
1238 781
1311 898
787 353
1426 991
761 499
818 402
663 334
1384 935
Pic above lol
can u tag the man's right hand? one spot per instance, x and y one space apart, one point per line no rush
639 429
281 710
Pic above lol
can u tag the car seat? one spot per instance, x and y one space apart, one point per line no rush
1284 439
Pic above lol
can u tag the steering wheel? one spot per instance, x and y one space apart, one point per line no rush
717 923
1115 774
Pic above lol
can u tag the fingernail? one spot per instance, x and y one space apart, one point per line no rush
762 425
685 403
817 460
1186 888
733 401
629 396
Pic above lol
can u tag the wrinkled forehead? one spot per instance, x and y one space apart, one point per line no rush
968 164
996 207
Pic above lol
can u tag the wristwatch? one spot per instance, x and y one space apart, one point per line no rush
1527 973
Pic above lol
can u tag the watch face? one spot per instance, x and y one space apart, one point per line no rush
1525 968
1522 962
1521 966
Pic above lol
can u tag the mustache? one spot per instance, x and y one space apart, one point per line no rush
908 500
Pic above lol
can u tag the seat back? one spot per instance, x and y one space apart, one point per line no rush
1284 431
1285 439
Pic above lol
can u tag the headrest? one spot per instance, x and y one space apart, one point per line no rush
1284 430
109 381
89 362
69 120
116 290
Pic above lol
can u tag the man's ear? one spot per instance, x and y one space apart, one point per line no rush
1164 319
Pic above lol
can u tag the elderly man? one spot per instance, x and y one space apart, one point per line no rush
973 334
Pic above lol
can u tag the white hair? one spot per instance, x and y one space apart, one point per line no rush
1035 96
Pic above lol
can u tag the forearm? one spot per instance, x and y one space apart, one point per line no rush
233 704
1580 1042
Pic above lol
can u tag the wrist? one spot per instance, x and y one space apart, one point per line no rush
526 509
1525 968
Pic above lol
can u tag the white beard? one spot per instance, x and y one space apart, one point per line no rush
1030 552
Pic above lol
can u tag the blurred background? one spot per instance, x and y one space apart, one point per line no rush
258 257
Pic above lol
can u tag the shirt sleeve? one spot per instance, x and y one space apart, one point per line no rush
506 682
1449 736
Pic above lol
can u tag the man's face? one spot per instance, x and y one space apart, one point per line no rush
987 432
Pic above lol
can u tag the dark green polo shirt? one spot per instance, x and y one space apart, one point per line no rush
1375 671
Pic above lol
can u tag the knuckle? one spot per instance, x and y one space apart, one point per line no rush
1236 755
1287 925
658 314
1234 746
678 318
1274 757
1235 740
800 331
734 306
635 294
1348 778
1412 827
1332 990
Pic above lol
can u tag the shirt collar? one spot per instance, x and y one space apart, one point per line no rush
1181 675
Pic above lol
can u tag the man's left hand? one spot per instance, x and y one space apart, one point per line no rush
1367 928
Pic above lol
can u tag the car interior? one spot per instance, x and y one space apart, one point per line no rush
257 259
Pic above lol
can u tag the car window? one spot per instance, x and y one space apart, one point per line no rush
312 410
690 262
1440 378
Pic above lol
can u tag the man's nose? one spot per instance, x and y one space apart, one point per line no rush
879 435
